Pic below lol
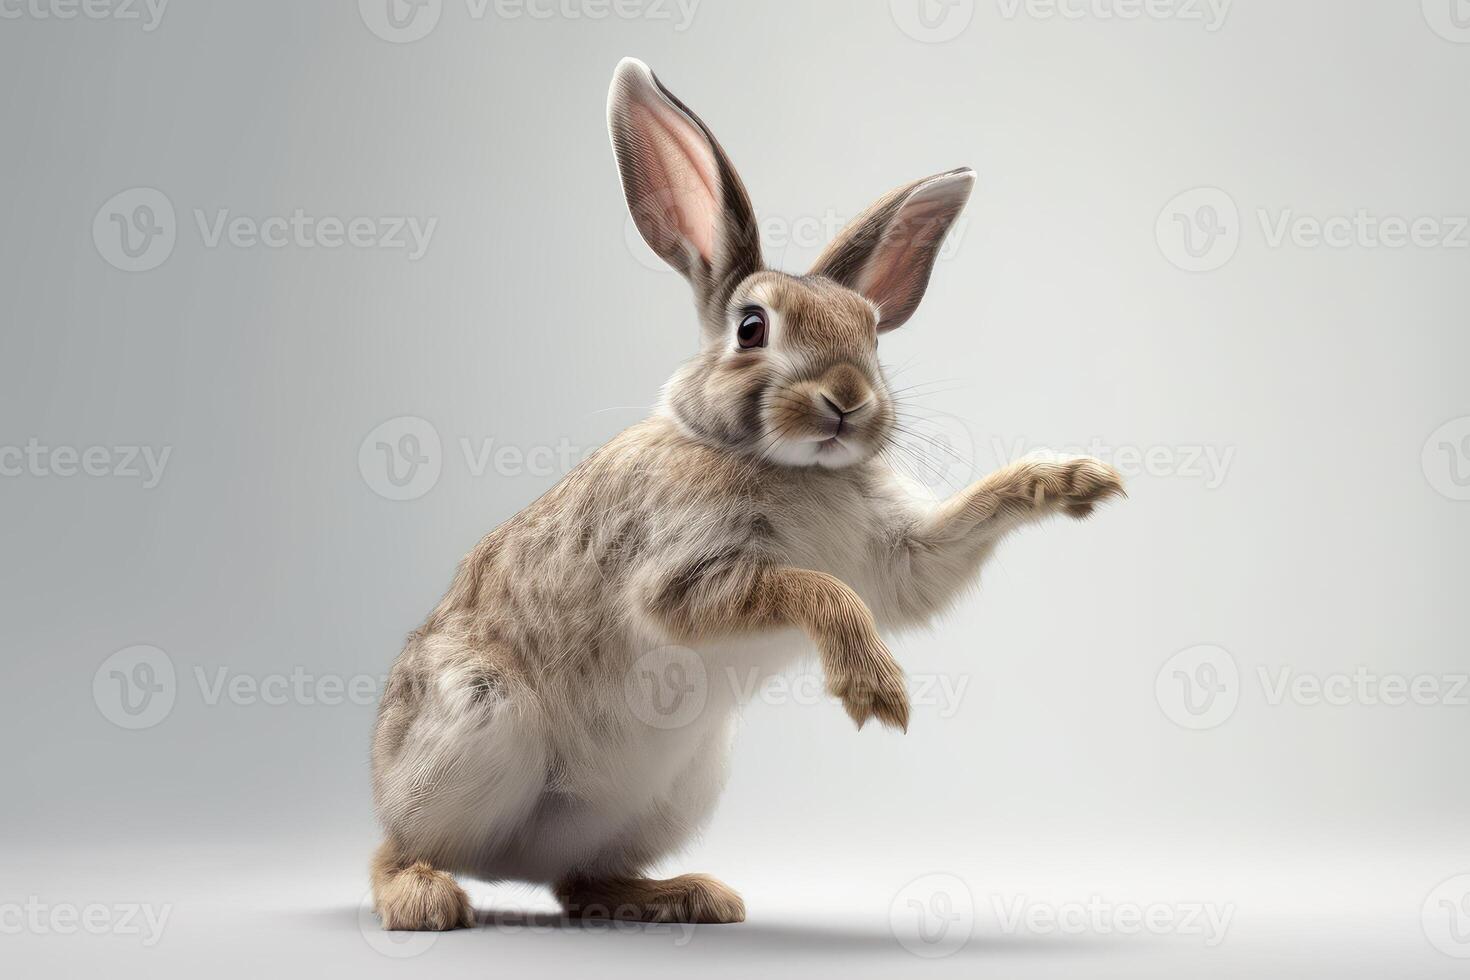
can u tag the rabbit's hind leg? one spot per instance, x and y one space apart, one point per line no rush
459 763
415 895
609 885
687 898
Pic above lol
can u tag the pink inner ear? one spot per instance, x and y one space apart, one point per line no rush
896 274
889 277
678 160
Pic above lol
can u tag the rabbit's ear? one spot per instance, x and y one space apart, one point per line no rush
684 195
888 251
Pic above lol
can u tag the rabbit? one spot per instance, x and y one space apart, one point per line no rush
749 519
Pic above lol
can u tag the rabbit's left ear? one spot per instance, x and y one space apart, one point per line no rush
684 194
888 251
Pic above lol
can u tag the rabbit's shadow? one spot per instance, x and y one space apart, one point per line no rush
765 936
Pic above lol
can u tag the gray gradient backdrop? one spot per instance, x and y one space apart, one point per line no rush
1138 269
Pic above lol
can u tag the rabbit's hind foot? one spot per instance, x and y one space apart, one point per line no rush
414 895
687 898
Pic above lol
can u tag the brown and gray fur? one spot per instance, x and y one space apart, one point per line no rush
749 520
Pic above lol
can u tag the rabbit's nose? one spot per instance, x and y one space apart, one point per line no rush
845 391
844 408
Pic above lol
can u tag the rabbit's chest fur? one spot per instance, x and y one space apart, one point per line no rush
649 775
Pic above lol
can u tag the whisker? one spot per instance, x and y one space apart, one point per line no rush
936 444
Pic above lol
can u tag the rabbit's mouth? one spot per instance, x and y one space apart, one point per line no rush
836 452
826 445
826 448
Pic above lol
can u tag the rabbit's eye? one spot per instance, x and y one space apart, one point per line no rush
752 330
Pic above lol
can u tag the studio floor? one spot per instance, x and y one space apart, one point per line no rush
229 911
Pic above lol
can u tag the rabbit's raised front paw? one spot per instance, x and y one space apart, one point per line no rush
870 684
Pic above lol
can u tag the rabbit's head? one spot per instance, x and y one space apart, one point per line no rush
788 365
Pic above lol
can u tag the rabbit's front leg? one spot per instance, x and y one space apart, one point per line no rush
1020 493
941 551
705 603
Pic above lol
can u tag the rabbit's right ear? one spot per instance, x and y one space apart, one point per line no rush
888 251
684 195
